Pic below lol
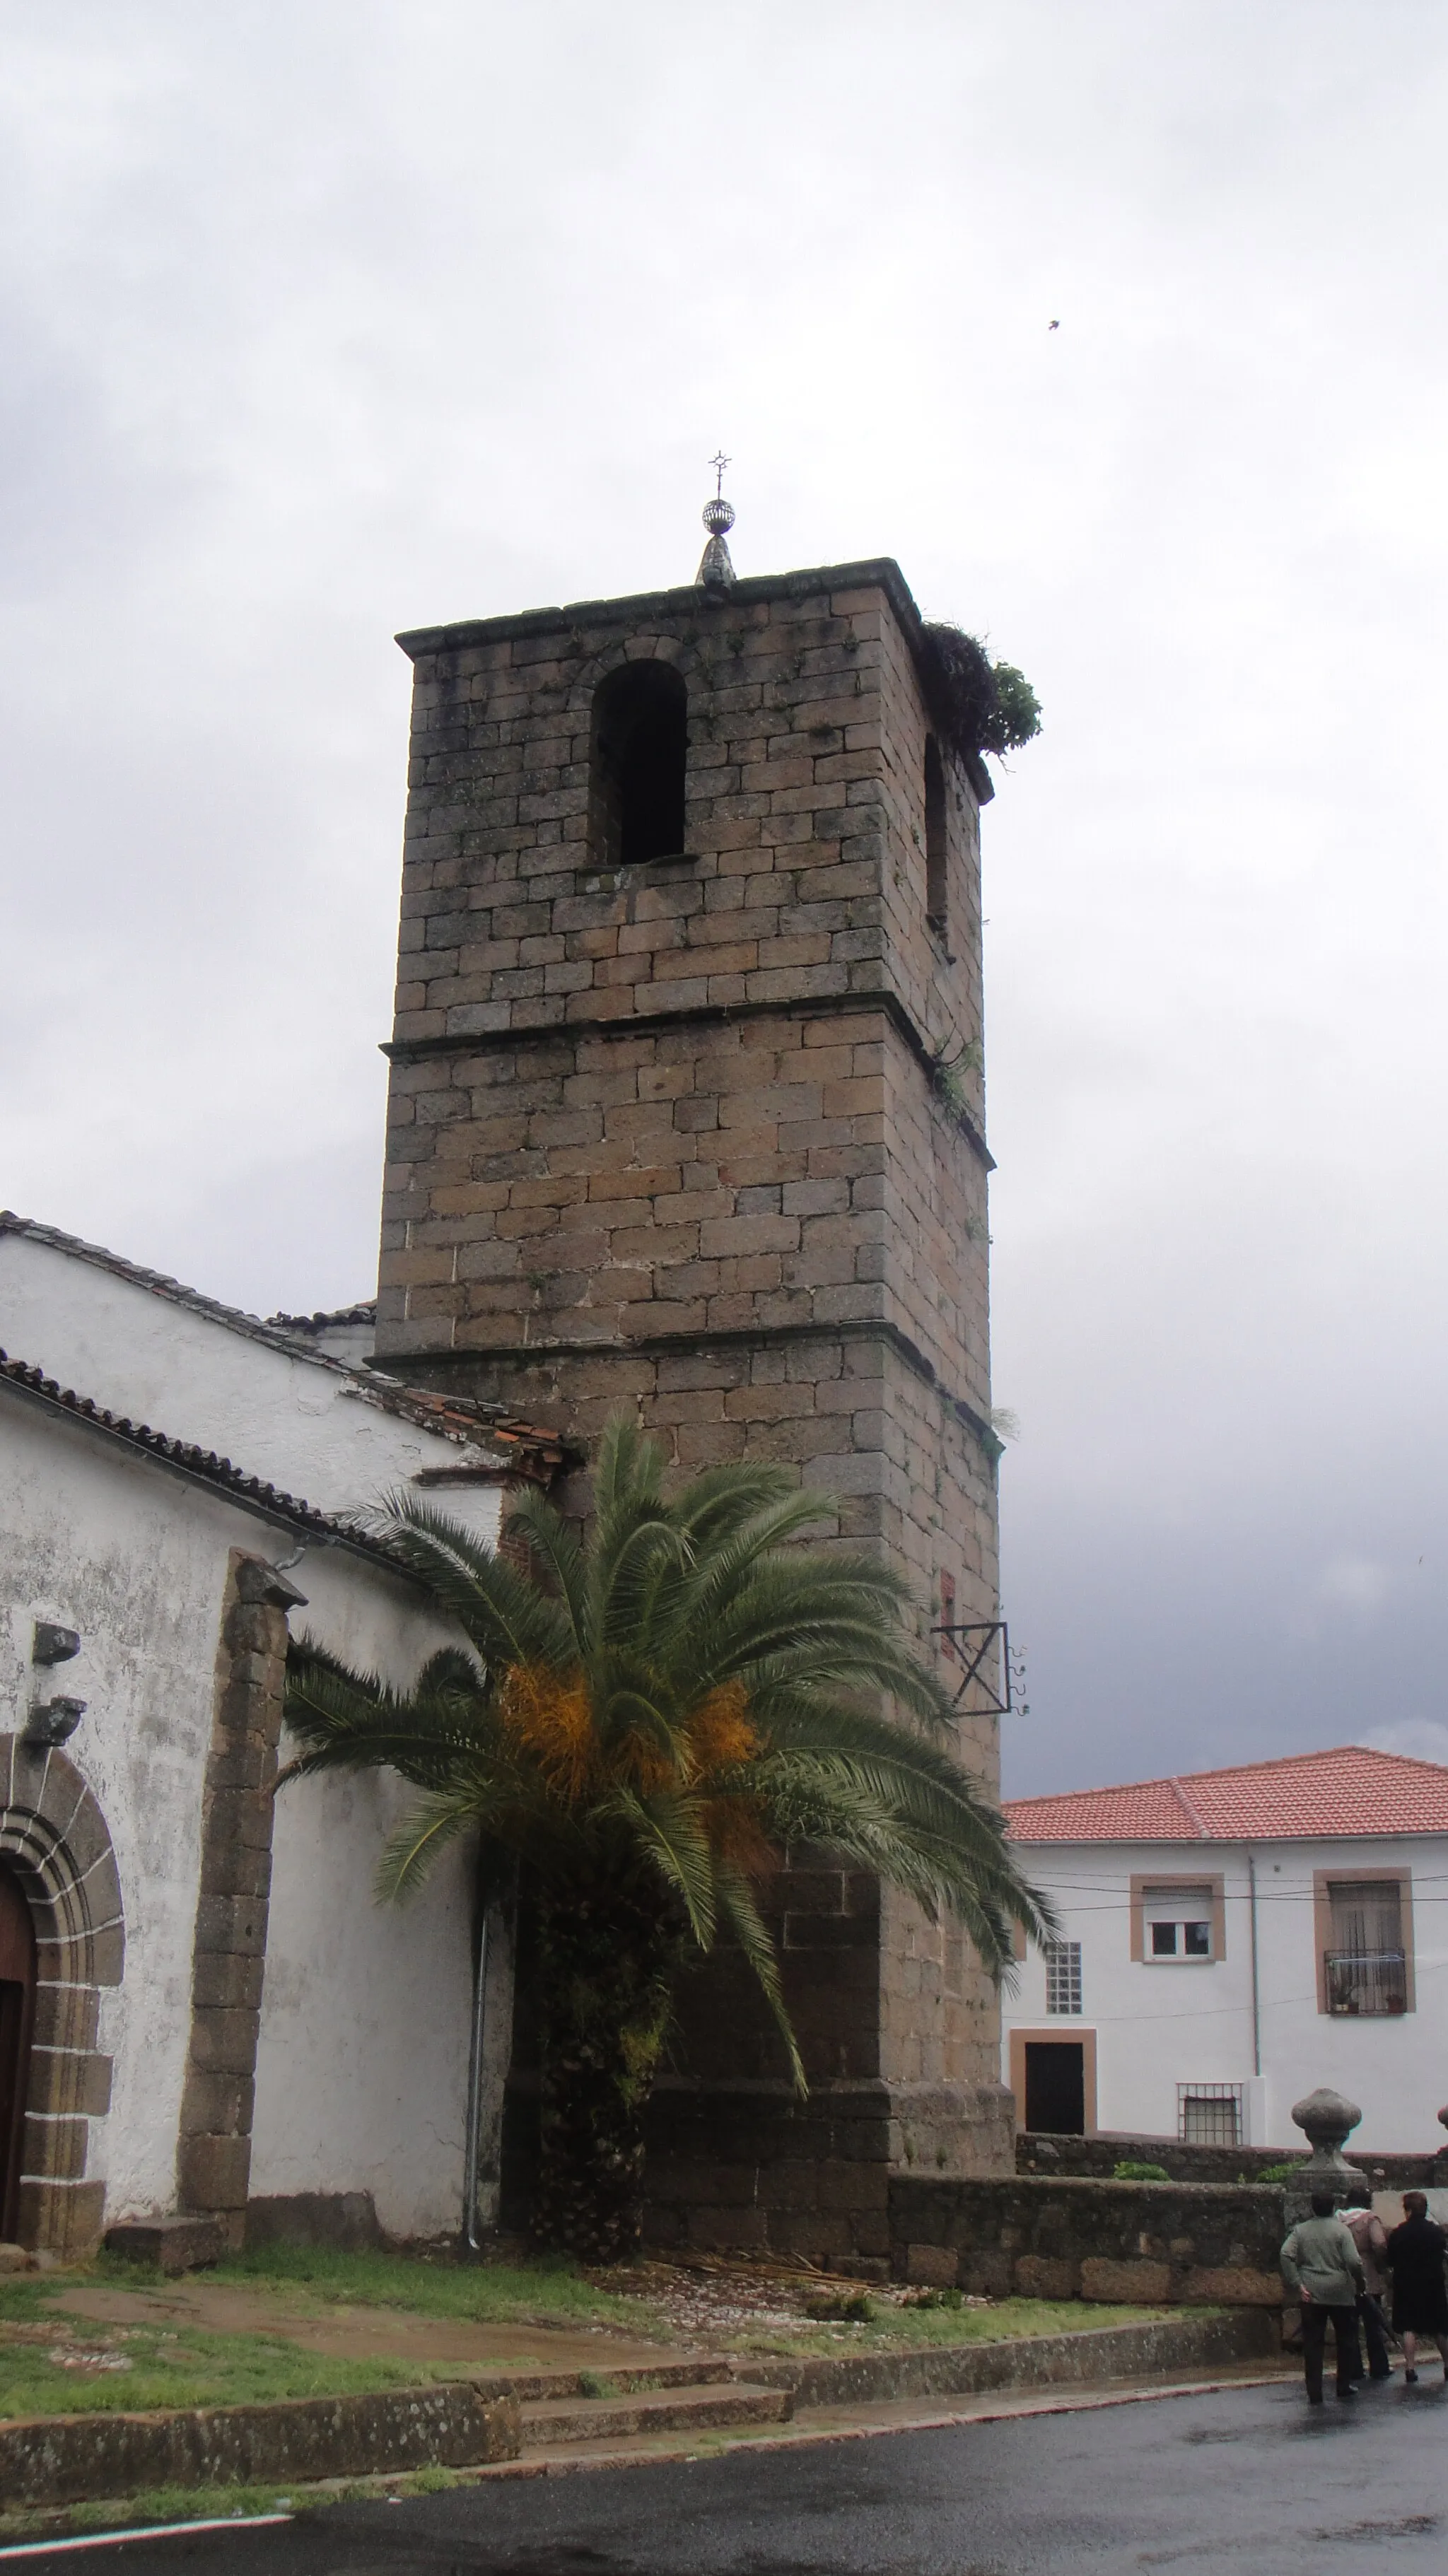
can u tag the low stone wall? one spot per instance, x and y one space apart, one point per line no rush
1156 2243
1081 2359
1037 2152
68 2458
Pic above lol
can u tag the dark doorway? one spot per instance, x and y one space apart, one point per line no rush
1056 2086
17 2012
640 752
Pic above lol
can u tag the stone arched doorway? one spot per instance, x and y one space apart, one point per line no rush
56 1862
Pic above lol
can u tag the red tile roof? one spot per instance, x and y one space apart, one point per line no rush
1350 1790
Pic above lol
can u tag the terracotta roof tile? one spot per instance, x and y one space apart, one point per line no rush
1350 1790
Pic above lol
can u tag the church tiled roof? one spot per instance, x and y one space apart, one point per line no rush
1304 1796
526 1448
202 1464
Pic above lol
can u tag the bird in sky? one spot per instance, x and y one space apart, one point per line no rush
1053 326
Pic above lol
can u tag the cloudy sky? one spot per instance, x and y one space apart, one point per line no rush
321 321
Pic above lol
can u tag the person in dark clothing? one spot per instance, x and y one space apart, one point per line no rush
1323 2269
1420 2295
1370 2238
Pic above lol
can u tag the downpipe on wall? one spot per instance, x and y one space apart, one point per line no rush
471 2235
496 1921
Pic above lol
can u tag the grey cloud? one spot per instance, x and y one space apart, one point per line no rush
319 322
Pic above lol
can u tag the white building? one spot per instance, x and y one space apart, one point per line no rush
200 2002
1229 1941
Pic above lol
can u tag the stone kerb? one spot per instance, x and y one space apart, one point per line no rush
55 1838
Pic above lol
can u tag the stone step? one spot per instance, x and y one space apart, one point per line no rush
695 2370
549 2423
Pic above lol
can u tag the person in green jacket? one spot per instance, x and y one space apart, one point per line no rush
1323 2268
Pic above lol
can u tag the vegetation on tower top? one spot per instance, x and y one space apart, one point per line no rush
979 705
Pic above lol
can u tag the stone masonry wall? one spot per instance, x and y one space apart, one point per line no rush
1209 2243
1099 2156
213 2155
673 1136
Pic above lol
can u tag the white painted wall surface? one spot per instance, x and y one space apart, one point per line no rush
1160 2024
363 2055
297 1419
137 1562
361 2078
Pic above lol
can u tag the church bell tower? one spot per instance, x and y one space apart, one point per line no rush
686 1116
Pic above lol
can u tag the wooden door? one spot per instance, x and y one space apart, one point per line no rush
17 2013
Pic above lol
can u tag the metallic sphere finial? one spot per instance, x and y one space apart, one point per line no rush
716 572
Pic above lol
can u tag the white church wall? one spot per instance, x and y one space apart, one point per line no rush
293 1418
136 1561
363 2052
361 2079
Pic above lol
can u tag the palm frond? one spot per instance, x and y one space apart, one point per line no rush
418 1842
668 1831
508 1618
673 1605
736 1897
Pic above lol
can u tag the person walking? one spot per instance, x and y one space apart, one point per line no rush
1323 2268
1371 2239
1420 2297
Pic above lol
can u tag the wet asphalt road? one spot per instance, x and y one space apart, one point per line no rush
1243 2480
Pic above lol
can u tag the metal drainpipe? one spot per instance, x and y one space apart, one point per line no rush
475 2094
1256 1992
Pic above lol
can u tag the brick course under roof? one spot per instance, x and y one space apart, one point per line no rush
1304 1797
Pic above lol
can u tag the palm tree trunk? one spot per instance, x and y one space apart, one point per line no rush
606 1959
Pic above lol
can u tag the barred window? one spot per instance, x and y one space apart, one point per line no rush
1209 2115
1063 1976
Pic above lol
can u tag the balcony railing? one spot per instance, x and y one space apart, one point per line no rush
1366 1981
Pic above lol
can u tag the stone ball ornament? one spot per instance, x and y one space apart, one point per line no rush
1325 2117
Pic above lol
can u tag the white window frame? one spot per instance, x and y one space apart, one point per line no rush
1063 1978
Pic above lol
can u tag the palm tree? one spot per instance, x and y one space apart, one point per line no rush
640 1723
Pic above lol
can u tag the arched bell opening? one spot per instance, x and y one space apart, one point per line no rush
640 755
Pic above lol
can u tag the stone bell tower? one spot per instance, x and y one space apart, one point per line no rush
685 1115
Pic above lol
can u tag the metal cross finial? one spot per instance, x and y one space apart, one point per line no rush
716 572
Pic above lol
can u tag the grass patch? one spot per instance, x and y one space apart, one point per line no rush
24 2296
905 2329
165 2365
184 2366
542 2293
153 2504
180 2504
